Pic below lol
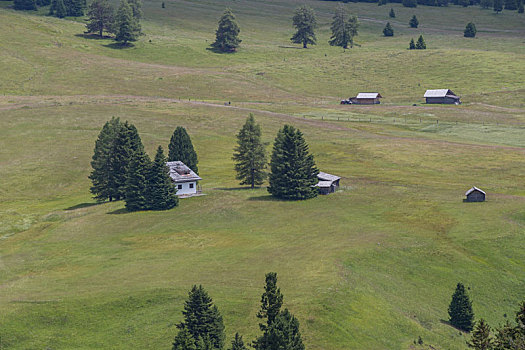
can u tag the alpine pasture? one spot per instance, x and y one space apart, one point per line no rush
372 266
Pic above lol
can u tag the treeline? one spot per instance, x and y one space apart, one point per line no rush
511 5
122 170
203 326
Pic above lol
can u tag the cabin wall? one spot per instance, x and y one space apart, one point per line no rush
366 101
476 197
441 100
186 188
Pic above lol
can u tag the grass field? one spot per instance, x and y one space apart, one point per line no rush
370 267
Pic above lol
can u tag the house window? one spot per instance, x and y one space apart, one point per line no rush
179 187
191 185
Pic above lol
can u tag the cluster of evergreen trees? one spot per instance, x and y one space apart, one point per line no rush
293 171
63 8
203 327
420 45
123 170
498 5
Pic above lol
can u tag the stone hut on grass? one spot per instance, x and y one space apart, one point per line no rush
328 183
442 96
475 195
366 98
183 178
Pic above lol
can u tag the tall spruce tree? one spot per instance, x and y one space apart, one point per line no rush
497 5
100 161
460 309
412 45
100 17
293 171
75 8
250 155
305 23
414 23
160 192
344 28
184 341
136 181
392 14
227 34
127 27
470 30
202 319
238 343
24 5
481 339
420 44
388 30
59 8
271 301
181 149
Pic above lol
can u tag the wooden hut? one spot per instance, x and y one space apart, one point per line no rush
475 195
366 98
442 96
328 183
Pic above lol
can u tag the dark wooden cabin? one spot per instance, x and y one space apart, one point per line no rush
367 98
475 195
442 96
328 183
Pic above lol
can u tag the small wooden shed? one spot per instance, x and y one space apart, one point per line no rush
328 183
367 98
442 96
475 195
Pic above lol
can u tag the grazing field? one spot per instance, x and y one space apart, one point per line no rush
372 266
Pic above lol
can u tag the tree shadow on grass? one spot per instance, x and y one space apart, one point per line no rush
247 188
214 50
119 211
93 36
265 198
119 46
82 205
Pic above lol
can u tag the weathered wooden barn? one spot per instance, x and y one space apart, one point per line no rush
442 96
475 195
328 183
367 98
183 178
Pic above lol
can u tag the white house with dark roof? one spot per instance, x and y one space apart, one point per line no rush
183 178
443 96
328 183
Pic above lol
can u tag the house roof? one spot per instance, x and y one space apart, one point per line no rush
369 95
327 177
324 183
179 172
474 188
440 93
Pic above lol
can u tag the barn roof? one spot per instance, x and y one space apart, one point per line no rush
439 93
327 177
369 95
474 188
324 183
179 172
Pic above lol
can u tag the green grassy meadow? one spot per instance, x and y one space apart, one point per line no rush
372 266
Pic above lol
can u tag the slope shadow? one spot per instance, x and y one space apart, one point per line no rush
118 211
93 36
82 205
119 46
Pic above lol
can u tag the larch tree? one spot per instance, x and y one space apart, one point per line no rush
293 172
305 23
388 30
181 149
136 181
250 154
127 27
414 23
460 309
160 192
470 30
481 339
344 28
100 17
227 33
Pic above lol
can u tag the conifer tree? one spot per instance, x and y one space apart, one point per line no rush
24 4
305 23
470 30
184 341
100 17
100 161
136 9
421 45
126 26
412 45
181 149
59 8
202 319
511 5
414 23
409 3
271 301
238 343
227 34
520 7
481 339
464 3
388 30
136 181
250 155
160 192
293 171
344 28
497 5
392 14
460 309
75 8
485 4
